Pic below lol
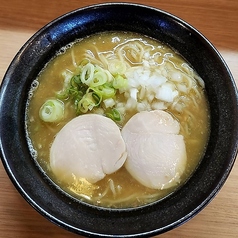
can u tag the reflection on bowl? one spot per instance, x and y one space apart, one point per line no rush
77 216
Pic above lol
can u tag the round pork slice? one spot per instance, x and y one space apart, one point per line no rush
156 152
89 146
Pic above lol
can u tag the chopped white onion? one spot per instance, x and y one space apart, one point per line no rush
131 103
133 93
176 76
109 102
166 93
157 105
156 88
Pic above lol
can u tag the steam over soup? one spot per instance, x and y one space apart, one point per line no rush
118 119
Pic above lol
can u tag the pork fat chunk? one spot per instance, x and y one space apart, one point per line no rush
89 146
156 151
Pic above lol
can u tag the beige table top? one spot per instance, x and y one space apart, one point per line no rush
217 20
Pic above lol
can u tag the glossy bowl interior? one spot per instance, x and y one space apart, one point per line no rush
152 219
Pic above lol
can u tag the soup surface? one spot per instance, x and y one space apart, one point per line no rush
147 75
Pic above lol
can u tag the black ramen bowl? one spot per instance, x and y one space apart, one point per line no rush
152 219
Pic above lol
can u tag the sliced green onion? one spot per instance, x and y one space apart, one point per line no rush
87 103
99 78
77 89
106 90
114 114
52 110
87 73
97 96
63 95
76 81
119 82
91 85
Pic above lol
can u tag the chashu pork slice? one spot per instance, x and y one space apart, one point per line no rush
156 152
89 146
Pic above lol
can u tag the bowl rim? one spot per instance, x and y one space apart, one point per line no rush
12 171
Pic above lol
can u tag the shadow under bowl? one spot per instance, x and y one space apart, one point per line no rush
152 219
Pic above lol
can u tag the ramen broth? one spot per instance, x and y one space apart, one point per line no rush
188 105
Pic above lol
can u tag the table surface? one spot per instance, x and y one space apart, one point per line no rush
216 19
